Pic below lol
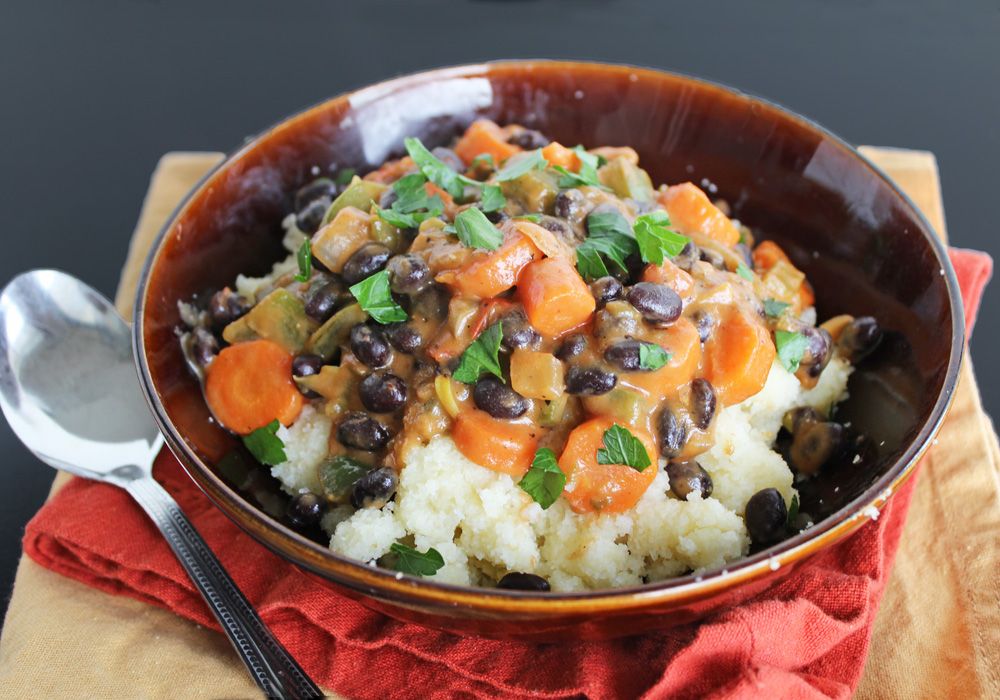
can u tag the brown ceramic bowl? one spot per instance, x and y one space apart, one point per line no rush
862 243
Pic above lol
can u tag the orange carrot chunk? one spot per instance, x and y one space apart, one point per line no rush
483 136
555 297
557 154
683 343
607 488
250 384
499 445
691 212
738 357
492 273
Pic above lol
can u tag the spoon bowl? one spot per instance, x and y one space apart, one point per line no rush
67 380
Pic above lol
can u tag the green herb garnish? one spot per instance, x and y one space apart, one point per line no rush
492 198
533 218
610 237
375 297
774 308
544 481
414 562
344 176
305 260
622 447
793 511
265 445
655 240
435 170
474 230
481 356
791 347
483 159
743 271
411 195
587 174
652 356
522 163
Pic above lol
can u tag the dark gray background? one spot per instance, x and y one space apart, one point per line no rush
92 93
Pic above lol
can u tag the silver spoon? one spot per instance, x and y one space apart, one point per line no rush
69 390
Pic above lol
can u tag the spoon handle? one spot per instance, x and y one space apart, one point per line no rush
270 664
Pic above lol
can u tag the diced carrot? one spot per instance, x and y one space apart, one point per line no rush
483 136
605 488
391 170
557 154
683 343
494 272
555 297
691 212
738 356
250 384
499 445
766 254
672 276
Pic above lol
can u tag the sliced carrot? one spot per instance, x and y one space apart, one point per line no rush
672 276
499 445
555 297
607 488
557 154
250 384
683 343
392 170
691 212
491 273
766 254
483 136
738 356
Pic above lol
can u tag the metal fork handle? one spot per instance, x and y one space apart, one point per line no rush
275 671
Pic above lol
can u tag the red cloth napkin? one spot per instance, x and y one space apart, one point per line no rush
806 638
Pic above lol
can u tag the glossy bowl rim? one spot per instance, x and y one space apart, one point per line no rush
384 584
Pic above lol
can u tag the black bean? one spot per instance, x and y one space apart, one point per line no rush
571 204
617 320
375 488
557 226
589 381
713 258
320 188
449 158
687 477
796 418
388 198
308 219
529 139
497 217
362 431
705 323
305 510
408 274
859 338
702 403
814 444
370 346
818 351
606 289
765 516
226 306
403 337
517 581
689 255
382 392
432 303
657 303
306 365
365 262
518 333
324 301
204 347
673 433
624 355
571 347
498 399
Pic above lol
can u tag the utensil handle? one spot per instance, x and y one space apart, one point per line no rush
270 664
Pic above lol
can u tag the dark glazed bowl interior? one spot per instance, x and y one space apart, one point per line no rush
861 242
